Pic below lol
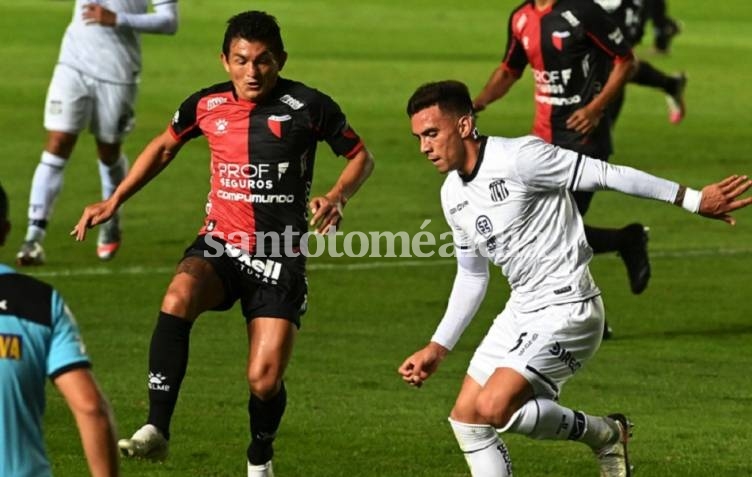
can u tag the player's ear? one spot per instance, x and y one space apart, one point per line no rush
281 60
466 126
225 63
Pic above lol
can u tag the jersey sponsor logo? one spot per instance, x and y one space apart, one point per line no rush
565 356
281 169
576 99
256 198
245 176
55 107
557 38
157 382
570 18
220 126
552 82
458 207
616 36
498 190
11 346
484 226
212 103
268 271
275 124
292 102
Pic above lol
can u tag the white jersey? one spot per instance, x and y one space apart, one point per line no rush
106 53
517 210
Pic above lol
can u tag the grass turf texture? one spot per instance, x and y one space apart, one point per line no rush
677 366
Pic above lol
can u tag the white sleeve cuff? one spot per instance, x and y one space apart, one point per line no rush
692 200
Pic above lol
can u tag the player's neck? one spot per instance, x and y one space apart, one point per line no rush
472 151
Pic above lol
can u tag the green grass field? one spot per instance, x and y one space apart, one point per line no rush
678 365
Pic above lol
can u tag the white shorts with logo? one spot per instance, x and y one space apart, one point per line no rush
546 346
75 101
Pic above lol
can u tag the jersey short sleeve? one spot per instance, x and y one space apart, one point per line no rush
332 126
515 58
67 350
184 124
542 166
604 32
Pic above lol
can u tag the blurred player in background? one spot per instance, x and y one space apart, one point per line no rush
509 201
94 85
262 131
665 28
631 16
580 61
39 339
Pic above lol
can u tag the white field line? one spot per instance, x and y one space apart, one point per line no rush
366 265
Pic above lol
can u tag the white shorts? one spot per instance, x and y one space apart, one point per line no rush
546 346
75 101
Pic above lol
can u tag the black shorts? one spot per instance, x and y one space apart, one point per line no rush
266 287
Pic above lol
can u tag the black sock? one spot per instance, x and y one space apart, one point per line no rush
603 240
648 75
265 417
168 360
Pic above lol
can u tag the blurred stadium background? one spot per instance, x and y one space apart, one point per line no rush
679 361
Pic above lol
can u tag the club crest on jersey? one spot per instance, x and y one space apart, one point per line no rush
484 226
498 190
275 124
221 126
557 38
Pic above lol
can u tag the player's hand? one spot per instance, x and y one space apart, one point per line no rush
94 13
93 214
327 213
722 197
584 120
422 364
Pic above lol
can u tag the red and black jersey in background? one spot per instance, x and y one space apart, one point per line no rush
571 48
630 15
262 156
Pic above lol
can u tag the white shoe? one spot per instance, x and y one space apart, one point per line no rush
147 443
613 459
31 253
264 470
108 242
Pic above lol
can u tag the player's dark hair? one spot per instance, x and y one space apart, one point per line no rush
3 204
254 26
451 96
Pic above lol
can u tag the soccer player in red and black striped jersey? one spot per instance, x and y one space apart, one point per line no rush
262 132
580 62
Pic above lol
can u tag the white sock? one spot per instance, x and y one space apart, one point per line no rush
111 176
485 453
263 470
545 419
45 187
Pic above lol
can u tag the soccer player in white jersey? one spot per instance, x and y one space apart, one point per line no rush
509 201
94 84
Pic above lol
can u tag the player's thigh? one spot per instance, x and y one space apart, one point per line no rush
547 346
195 288
68 106
114 114
464 409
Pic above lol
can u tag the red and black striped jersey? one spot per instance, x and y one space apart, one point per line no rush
262 156
571 47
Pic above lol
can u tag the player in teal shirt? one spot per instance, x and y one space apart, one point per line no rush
39 339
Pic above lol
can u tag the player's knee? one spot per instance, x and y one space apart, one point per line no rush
177 302
264 381
60 144
495 410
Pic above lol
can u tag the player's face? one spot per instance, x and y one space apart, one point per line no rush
253 68
440 138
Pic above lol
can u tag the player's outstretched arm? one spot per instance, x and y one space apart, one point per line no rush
719 199
163 20
327 209
155 157
497 87
422 364
94 421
